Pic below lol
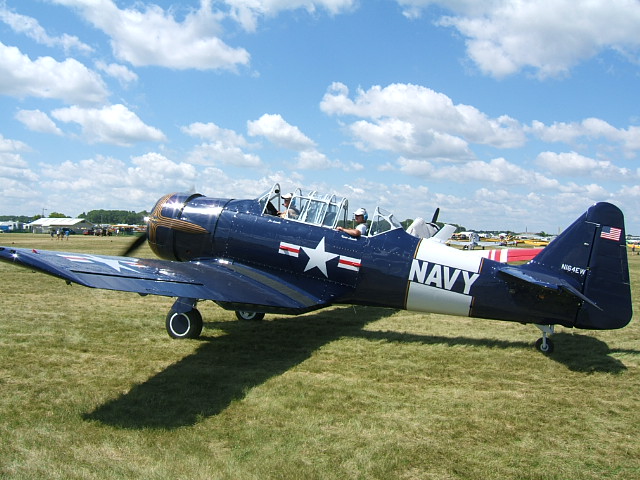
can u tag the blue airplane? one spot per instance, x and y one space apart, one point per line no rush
264 255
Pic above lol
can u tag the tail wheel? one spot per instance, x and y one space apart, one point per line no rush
544 347
252 316
184 325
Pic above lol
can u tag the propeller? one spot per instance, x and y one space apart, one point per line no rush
435 215
135 245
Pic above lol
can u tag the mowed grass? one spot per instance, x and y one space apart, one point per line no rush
92 387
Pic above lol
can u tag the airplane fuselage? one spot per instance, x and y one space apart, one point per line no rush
392 269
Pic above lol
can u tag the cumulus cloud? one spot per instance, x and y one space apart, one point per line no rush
505 37
15 173
119 72
588 129
416 121
153 36
218 152
282 134
573 164
38 121
223 146
32 28
8 145
248 12
279 132
108 182
214 133
45 77
497 171
113 124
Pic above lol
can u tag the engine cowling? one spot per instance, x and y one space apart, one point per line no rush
181 226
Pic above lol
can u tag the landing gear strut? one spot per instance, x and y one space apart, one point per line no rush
544 344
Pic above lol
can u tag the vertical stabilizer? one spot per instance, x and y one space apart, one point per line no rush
592 253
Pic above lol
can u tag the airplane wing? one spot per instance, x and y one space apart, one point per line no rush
213 279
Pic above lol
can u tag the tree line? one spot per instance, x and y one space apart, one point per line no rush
110 217
113 217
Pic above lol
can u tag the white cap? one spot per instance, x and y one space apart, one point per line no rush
287 196
360 211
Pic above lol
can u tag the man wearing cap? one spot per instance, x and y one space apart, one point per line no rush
289 211
360 216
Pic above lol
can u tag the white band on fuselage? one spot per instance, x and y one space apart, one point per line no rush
440 279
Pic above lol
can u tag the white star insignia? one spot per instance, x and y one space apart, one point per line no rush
115 264
318 257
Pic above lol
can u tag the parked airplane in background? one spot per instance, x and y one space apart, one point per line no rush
246 257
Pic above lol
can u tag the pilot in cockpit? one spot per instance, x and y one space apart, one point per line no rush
289 210
361 228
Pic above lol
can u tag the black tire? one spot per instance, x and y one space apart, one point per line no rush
249 316
184 325
540 347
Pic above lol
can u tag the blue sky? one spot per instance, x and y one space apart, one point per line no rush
505 114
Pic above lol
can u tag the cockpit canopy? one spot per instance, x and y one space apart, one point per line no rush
324 210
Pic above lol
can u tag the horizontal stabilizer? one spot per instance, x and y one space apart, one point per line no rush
444 233
546 281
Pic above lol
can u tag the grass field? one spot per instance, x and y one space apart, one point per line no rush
92 387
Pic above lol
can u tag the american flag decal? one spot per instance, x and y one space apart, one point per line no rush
611 233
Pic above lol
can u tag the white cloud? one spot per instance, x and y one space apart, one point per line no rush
588 129
315 160
119 72
107 182
248 12
37 121
32 28
417 121
45 77
8 145
549 37
279 132
114 124
153 169
154 36
282 134
573 164
219 152
212 132
223 146
498 171
16 177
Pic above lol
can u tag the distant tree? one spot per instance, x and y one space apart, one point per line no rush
18 218
58 215
114 217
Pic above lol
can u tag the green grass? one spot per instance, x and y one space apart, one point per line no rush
92 387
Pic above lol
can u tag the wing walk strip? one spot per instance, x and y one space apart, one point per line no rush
277 285
130 277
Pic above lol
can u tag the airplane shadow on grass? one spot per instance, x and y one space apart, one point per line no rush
224 368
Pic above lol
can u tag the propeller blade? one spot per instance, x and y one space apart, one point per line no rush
135 245
435 215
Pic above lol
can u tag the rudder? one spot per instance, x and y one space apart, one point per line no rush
593 252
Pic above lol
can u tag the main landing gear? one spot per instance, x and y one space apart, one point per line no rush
185 321
544 344
184 324
251 316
